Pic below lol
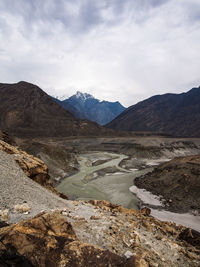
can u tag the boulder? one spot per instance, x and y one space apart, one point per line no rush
49 240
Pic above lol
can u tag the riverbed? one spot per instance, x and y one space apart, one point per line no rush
103 181
100 177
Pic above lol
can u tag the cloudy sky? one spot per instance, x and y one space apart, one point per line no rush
124 50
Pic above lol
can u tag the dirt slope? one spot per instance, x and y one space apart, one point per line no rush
178 181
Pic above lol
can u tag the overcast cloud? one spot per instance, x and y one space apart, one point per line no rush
124 50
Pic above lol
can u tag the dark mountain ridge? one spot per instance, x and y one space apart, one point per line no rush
174 114
69 108
26 110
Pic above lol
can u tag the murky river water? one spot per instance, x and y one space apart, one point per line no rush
88 183
113 187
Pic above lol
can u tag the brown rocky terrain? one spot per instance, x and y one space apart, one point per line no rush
98 234
177 181
80 233
60 158
6 138
49 240
33 167
26 110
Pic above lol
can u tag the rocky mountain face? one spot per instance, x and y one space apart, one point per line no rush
177 181
88 107
174 114
26 110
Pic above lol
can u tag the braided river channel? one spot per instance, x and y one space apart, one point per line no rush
101 177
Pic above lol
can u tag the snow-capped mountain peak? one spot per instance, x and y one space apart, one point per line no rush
85 106
83 96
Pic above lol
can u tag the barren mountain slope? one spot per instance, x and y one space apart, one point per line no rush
175 114
26 110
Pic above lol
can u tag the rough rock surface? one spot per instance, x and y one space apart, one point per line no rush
49 240
60 158
33 167
6 138
99 234
79 233
174 180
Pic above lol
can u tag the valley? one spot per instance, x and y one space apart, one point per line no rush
105 181
94 169
73 192
99 133
97 174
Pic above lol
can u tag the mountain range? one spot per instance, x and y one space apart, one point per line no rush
85 106
174 114
26 110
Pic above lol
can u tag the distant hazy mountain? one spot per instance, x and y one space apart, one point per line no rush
26 110
93 109
175 114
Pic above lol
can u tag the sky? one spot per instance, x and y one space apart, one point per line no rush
117 50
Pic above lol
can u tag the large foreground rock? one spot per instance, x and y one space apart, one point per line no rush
49 240
98 234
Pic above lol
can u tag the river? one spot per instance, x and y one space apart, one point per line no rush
101 177
105 181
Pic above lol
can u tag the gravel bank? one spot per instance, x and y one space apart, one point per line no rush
17 188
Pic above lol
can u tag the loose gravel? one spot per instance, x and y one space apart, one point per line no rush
16 188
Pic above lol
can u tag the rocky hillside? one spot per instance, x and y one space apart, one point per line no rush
93 109
6 138
177 181
59 157
38 228
26 110
33 167
174 114
102 235
45 161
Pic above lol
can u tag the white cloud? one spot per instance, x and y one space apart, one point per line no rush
117 50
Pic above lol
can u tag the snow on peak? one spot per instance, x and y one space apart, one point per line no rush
83 96
61 97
